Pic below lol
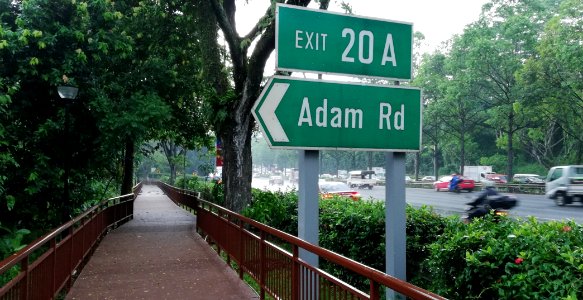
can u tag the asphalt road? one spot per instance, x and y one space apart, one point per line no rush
447 203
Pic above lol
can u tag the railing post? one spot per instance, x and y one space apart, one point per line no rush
241 249
262 266
374 290
228 241
295 274
54 265
70 258
24 287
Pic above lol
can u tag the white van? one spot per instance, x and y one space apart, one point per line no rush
564 184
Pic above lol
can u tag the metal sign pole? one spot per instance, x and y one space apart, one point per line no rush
308 217
395 219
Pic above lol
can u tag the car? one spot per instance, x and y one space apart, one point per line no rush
326 176
527 178
408 179
428 178
275 179
443 184
534 180
329 189
496 178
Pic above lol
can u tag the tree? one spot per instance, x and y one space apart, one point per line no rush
44 44
129 86
167 35
552 82
493 49
233 122
432 78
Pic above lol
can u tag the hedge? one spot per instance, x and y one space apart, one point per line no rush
490 258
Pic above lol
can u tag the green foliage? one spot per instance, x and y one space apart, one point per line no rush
532 169
507 259
212 191
136 65
497 161
355 229
11 240
424 226
277 209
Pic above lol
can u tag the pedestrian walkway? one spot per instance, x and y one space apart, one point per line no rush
157 255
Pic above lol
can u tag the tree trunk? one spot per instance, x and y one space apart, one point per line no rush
172 174
416 162
128 168
462 152
510 158
171 152
237 166
435 163
509 169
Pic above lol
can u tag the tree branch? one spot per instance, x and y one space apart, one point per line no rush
225 15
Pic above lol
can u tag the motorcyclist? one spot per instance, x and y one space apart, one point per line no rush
480 204
454 182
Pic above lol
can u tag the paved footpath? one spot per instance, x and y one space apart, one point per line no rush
157 255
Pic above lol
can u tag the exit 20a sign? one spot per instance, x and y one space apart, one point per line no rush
327 42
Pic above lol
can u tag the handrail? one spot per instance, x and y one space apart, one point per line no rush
230 231
67 247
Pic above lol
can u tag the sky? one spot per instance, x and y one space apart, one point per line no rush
438 20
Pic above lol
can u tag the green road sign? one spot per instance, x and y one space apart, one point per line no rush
313 114
326 42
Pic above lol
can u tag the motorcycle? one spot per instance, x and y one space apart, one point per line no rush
454 188
488 201
454 185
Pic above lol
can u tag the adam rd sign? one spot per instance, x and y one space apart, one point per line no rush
315 114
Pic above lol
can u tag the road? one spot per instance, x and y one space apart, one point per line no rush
447 203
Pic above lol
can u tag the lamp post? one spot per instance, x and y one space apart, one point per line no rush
68 93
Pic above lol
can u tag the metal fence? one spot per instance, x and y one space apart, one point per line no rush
271 257
48 265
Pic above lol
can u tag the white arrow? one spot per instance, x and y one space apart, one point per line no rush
267 112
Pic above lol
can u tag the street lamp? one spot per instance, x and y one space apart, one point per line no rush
67 93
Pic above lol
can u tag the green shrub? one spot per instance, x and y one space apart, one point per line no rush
424 226
355 229
508 260
276 209
11 241
211 191
486 259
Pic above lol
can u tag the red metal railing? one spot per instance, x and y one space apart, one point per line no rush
60 254
281 273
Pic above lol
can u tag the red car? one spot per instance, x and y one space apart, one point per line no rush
443 184
497 178
329 189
